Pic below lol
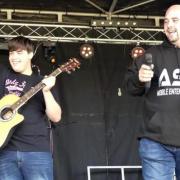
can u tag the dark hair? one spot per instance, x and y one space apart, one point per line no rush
22 43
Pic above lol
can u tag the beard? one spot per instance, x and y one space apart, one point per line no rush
173 37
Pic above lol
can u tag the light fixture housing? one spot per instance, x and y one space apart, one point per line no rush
86 50
114 23
137 52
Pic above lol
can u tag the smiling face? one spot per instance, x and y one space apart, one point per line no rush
20 61
20 54
172 24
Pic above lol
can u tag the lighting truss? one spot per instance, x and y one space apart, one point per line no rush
58 26
76 33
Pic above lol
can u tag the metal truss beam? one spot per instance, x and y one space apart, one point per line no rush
76 33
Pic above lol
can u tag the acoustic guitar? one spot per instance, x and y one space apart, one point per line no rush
9 104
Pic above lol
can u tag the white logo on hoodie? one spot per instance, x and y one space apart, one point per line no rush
164 79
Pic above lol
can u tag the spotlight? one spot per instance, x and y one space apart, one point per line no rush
53 59
102 23
50 54
114 23
86 51
94 23
126 23
118 23
137 51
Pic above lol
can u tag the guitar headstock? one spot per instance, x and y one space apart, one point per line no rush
72 64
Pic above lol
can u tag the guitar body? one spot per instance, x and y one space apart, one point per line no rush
7 126
9 118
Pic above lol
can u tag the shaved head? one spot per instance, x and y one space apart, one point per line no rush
172 24
173 9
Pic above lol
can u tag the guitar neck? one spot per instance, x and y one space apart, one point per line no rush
32 91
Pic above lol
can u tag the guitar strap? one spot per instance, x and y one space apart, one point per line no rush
51 144
5 76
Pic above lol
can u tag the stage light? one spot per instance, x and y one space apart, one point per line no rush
118 23
93 23
137 51
114 23
126 23
134 23
50 54
53 60
86 51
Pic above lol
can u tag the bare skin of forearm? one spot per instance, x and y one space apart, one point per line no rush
53 110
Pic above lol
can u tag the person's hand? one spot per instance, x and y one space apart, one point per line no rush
49 82
146 73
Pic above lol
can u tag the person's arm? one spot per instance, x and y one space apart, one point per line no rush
53 109
132 83
137 76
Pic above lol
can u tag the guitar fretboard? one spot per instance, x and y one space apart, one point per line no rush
32 91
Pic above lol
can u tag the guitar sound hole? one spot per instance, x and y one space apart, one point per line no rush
6 113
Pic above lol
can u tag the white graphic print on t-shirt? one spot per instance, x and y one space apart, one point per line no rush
15 87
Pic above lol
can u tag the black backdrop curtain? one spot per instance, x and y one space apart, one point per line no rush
100 121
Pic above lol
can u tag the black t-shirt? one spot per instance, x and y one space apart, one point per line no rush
32 134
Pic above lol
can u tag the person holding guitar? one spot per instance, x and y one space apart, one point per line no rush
25 154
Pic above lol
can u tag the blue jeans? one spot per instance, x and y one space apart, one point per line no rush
159 162
15 165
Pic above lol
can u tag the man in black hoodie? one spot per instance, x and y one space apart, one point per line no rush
156 76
